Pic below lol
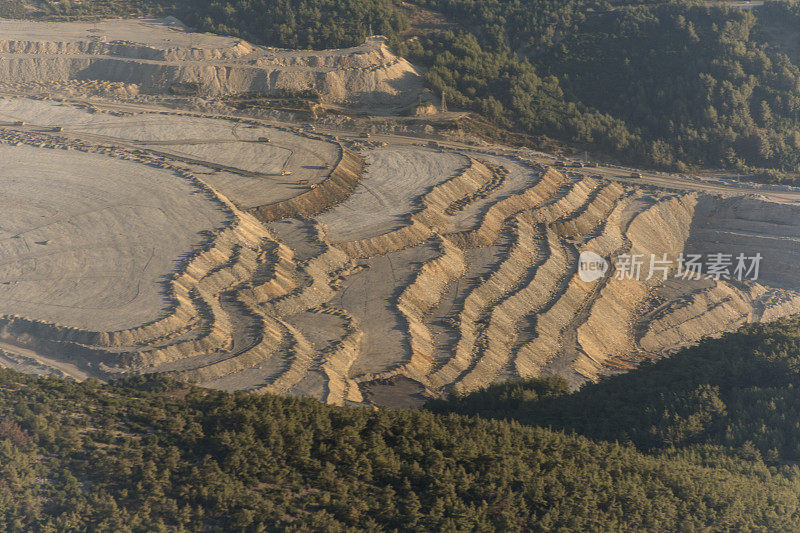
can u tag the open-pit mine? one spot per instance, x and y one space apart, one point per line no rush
241 253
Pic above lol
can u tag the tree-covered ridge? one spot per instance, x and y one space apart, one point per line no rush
669 84
150 456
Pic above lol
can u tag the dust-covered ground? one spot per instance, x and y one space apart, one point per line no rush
252 165
88 241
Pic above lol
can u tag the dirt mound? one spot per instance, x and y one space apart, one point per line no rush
159 56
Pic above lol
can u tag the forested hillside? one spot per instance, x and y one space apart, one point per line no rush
286 23
668 84
151 456
709 438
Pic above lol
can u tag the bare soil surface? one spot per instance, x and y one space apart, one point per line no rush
129 242
80 248
395 179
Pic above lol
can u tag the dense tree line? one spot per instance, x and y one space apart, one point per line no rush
148 455
12 9
286 23
670 84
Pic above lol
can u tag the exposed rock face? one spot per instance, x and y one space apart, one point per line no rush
750 226
159 55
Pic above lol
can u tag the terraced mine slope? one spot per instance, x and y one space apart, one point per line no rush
160 56
157 241
245 255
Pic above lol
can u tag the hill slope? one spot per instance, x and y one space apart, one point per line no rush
149 456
